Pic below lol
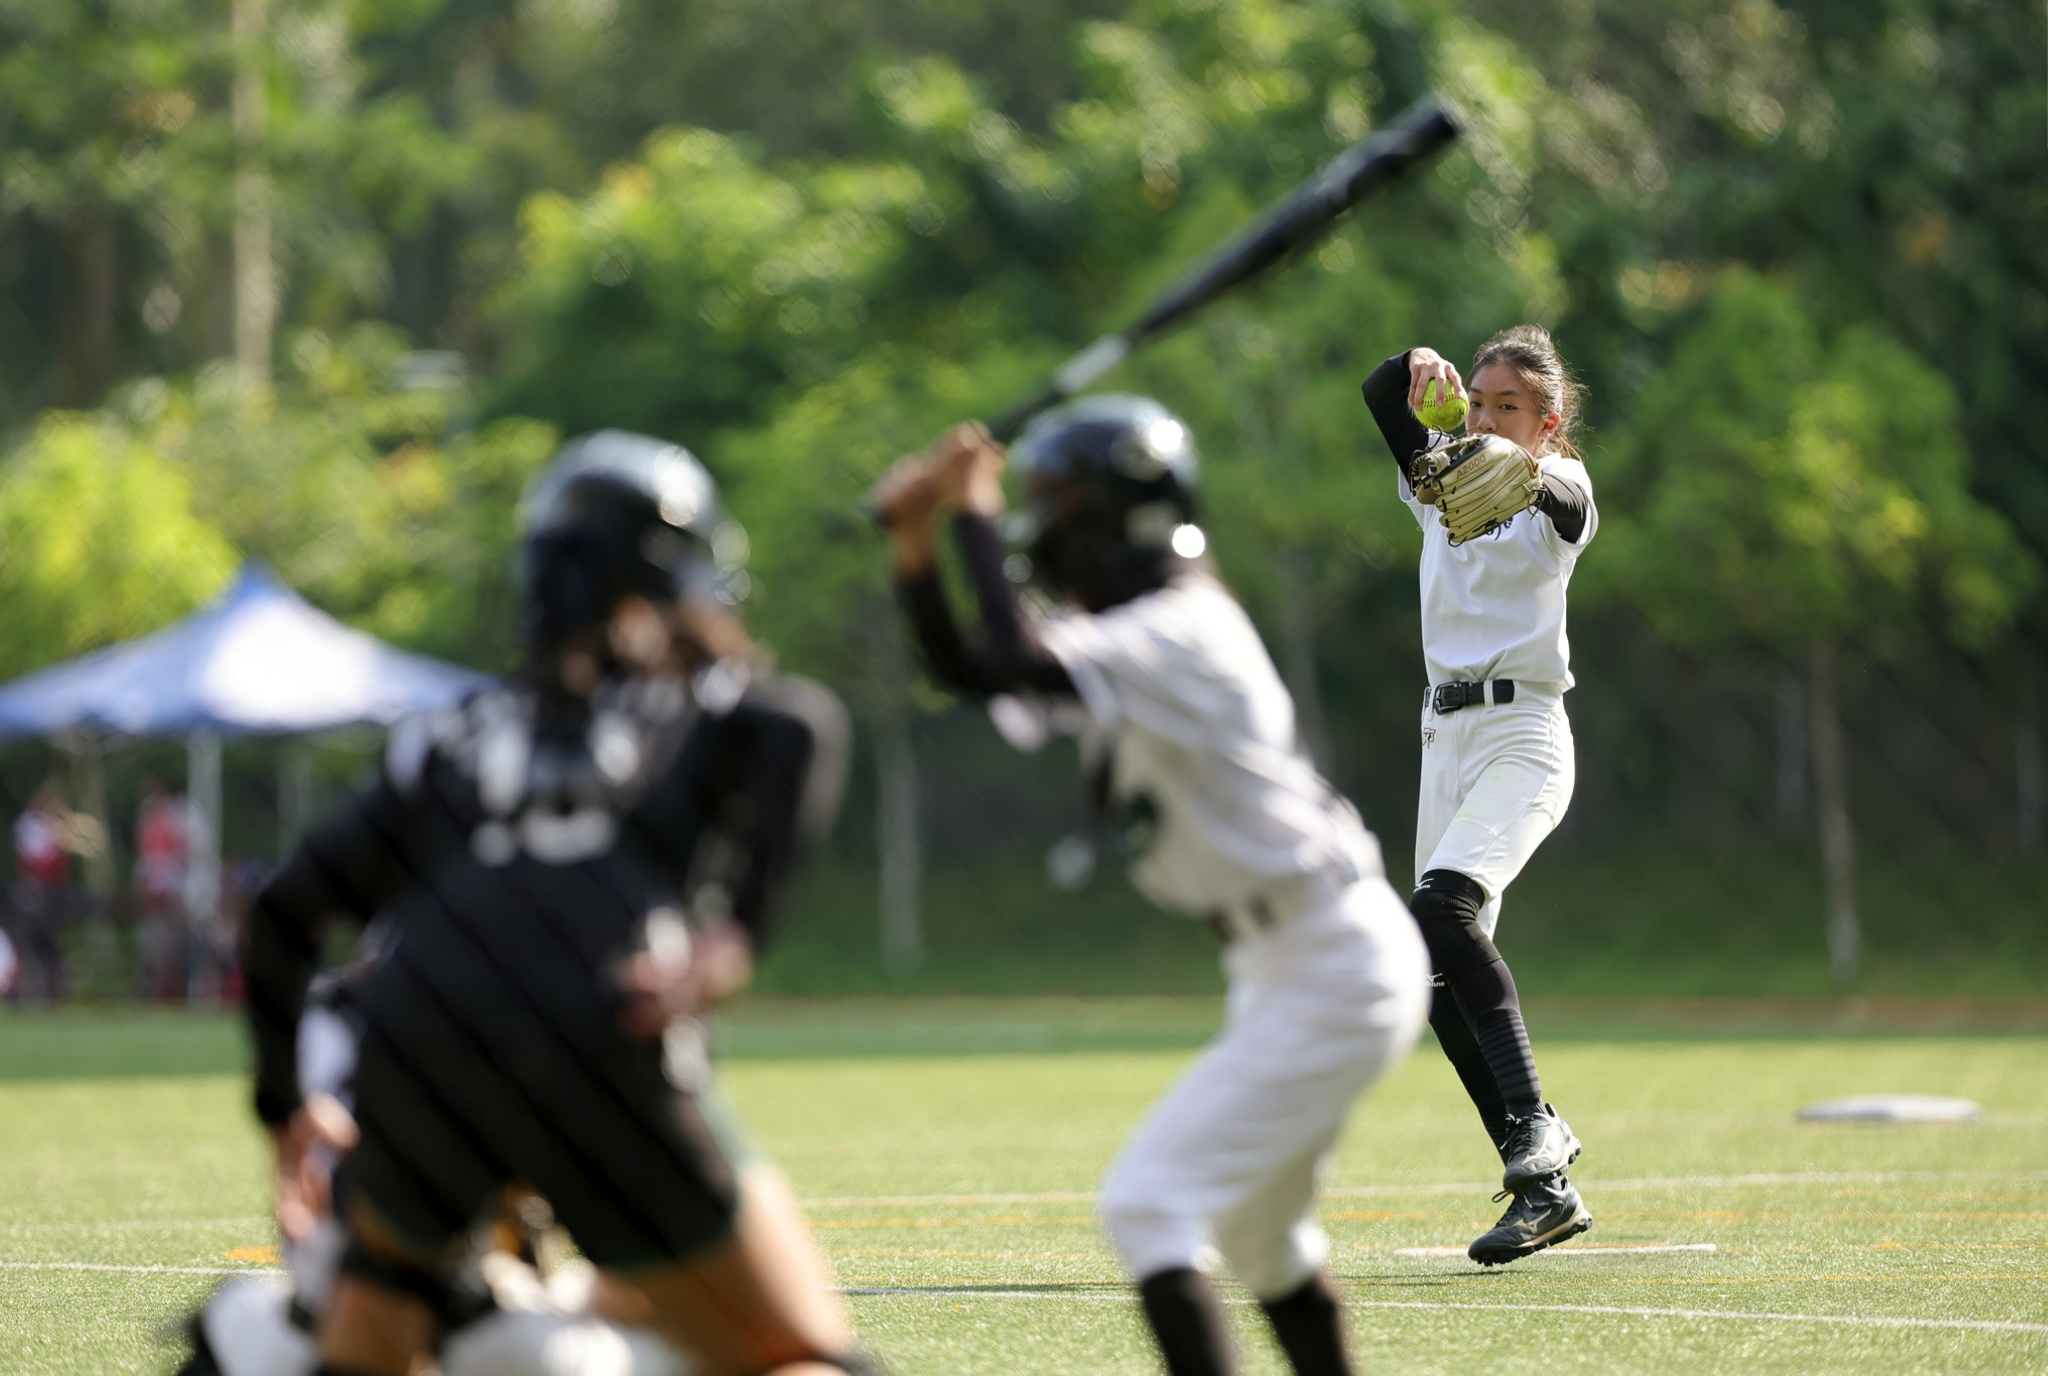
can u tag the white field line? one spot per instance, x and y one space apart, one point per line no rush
964 1292
1648 1248
1669 1182
1751 1316
1741 1316
133 1224
153 1270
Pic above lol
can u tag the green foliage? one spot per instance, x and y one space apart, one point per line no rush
693 284
1792 248
340 479
1775 487
98 541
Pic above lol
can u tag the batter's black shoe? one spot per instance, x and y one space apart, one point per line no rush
1543 1215
1538 1147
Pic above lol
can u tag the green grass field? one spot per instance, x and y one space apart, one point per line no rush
948 1150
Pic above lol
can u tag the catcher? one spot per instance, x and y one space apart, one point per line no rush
1505 511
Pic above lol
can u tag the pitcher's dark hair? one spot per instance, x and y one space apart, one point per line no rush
1529 350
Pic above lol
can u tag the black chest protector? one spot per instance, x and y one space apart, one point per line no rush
516 776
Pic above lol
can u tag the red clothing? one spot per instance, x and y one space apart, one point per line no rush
163 844
39 855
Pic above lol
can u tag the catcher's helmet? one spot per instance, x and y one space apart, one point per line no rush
614 515
1109 483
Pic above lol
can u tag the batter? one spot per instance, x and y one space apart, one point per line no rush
1188 736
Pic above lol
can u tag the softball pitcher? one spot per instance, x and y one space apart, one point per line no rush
1503 524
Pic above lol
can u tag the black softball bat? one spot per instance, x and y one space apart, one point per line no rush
1303 218
1308 213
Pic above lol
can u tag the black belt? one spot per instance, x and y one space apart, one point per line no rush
1449 697
1258 910
1286 899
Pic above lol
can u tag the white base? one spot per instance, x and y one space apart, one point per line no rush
1892 1108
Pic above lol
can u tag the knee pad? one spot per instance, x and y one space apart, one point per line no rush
1446 906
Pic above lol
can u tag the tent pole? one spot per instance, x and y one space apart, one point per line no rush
202 874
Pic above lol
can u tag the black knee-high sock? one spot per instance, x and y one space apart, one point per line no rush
1487 998
1447 906
1461 1048
1187 1319
1310 1326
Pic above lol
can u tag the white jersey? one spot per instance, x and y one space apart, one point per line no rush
1212 796
1494 607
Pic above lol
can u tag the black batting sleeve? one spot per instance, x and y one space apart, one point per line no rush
750 795
1566 504
936 634
1006 654
1386 396
1011 646
350 865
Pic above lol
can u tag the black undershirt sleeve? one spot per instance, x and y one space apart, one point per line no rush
350 866
749 796
1386 396
937 635
1566 504
1006 654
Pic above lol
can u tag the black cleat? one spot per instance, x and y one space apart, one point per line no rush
1541 1216
1538 1147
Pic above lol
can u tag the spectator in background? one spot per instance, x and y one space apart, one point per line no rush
46 835
163 857
243 880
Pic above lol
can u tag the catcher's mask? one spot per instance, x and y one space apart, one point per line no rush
615 515
1109 491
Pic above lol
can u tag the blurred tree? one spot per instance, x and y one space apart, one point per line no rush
342 478
800 236
693 286
345 478
99 541
111 156
1777 489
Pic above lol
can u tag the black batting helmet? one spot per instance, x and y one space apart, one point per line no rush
1109 483
614 515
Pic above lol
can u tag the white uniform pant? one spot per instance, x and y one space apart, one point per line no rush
249 1327
1495 781
1320 1006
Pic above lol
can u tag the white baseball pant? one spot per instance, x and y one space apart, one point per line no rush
1496 780
1321 1004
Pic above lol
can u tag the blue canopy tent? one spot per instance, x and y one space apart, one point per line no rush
259 661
